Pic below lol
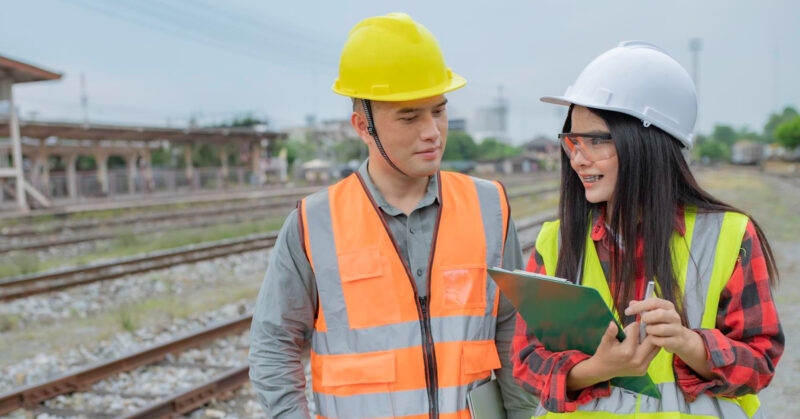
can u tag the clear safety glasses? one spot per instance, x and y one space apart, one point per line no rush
593 147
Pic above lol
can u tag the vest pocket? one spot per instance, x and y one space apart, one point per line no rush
478 359
358 385
355 369
464 286
369 294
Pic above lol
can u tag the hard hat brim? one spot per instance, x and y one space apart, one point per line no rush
456 82
563 100
557 100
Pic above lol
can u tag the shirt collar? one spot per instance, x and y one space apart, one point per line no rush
600 228
431 192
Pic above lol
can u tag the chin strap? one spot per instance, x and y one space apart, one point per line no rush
374 133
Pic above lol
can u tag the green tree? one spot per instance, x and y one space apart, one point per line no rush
713 150
724 134
86 163
245 120
349 149
788 133
776 119
460 146
297 148
490 148
161 157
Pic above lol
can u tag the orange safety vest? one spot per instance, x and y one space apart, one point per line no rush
379 350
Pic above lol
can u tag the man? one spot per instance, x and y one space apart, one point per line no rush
385 272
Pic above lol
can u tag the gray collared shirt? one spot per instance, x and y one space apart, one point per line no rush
284 315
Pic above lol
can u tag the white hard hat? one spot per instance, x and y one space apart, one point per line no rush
641 80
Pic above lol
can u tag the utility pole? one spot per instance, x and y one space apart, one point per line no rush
695 46
84 101
775 79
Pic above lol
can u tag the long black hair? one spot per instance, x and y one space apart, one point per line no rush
653 180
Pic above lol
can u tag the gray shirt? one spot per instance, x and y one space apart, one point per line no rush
284 315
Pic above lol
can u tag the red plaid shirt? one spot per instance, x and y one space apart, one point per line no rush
742 350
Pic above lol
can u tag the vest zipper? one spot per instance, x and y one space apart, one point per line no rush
430 359
423 310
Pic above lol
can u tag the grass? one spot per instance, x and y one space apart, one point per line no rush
8 322
772 204
16 344
526 206
129 243
110 213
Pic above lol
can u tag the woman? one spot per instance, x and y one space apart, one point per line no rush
630 212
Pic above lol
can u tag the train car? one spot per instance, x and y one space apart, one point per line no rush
747 153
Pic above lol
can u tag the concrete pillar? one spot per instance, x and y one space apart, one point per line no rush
3 165
102 171
71 160
6 93
45 164
255 164
148 171
40 170
132 160
223 158
187 156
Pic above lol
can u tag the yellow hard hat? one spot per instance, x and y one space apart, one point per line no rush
392 58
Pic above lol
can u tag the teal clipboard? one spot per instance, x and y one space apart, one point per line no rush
565 316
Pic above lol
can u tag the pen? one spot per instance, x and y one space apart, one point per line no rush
647 294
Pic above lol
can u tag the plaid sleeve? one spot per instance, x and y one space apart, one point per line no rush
544 373
748 340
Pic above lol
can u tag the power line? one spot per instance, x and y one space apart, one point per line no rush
161 28
235 24
171 20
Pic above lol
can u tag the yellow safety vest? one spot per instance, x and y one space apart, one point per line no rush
704 259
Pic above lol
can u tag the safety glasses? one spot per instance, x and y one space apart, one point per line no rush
593 147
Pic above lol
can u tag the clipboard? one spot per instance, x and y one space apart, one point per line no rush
565 316
486 402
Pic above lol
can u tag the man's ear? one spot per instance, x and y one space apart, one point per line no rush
359 122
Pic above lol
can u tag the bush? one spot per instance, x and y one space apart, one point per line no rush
788 133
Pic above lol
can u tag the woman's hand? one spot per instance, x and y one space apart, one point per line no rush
664 329
614 358
663 322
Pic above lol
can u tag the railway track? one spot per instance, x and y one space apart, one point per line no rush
26 285
30 239
33 284
226 380
73 226
26 238
83 380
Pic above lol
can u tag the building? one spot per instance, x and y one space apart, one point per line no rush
492 121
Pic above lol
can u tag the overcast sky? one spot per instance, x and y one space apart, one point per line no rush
158 61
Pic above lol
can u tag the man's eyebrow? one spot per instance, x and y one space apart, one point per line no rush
412 110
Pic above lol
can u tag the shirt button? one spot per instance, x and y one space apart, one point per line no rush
419 271
411 230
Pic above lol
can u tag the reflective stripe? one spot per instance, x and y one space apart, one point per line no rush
400 335
358 271
492 213
392 404
624 402
713 240
700 265
326 264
